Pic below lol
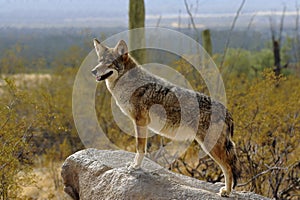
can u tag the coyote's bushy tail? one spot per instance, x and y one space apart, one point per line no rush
232 155
236 168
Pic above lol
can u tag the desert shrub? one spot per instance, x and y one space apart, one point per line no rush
35 120
16 130
267 129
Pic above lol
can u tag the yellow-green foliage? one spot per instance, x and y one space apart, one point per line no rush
54 104
267 132
15 134
13 57
266 112
35 119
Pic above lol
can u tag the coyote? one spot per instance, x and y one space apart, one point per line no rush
122 73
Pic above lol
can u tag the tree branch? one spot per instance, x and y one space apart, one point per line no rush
260 174
188 10
244 43
296 46
158 21
281 25
231 29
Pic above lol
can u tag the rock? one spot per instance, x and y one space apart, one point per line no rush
101 174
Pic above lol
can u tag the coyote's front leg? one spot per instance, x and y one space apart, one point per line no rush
141 132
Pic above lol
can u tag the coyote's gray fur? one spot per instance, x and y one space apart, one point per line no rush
136 90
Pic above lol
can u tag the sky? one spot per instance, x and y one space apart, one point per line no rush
35 13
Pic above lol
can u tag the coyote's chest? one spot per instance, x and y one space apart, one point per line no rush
120 96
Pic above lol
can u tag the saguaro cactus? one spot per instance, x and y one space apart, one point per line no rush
137 20
206 39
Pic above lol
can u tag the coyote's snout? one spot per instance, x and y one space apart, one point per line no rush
136 91
103 76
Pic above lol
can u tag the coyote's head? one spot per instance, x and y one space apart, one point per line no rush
110 60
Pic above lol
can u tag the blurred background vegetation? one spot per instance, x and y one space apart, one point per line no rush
37 131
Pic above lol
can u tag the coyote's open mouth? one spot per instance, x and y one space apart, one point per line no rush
104 76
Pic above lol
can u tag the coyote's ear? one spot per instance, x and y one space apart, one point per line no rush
98 47
121 49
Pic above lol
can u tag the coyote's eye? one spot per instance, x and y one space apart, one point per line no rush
101 59
109 65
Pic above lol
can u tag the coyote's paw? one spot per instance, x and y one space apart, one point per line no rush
224 193
132 166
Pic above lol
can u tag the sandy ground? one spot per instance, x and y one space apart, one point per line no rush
44 186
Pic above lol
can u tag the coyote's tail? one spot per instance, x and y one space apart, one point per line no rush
236 168
230 148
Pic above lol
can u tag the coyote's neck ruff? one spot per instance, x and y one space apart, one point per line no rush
167 109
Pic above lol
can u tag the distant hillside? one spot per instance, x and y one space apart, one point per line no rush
49 43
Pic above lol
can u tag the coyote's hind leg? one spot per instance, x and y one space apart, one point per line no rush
223 153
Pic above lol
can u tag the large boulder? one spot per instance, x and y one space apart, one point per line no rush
101 174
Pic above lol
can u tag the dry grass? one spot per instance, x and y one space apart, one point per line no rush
47 184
